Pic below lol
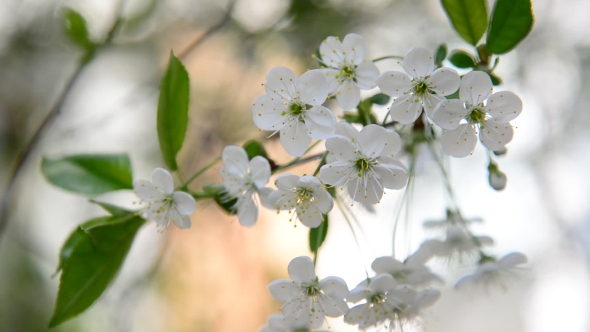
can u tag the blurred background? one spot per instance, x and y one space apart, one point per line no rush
214 276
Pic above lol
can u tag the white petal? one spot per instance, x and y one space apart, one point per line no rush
382 283
418 62
465 282
459 142
335 174
162 180
311 217
302 270
386 264
366 75
247 211
394 83
312 87
274 197
347 130
405 109
341 148
182 221
404 294
259 171
332 307
369 194
449 113
185 203
334 286
359 293
476 86
287 182
331 52
430 102
445 81
263 194
354 46
372 140
325 200
348 95
427 298
284 290
394 144
333 82
146 191
512 260
392 175
294 138
267 113
320 122
277 323
280 84
504 106
235 159
495 135
309 181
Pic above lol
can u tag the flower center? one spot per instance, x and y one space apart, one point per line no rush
377 299
477 115
346 73
421 87
296 109
363 165
304 194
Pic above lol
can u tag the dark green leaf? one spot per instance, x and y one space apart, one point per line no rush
380 99
318 235
512 20
462 59
173 110
454 95
469 17
95 256
89 174
75 28
219 195
441 55
254 148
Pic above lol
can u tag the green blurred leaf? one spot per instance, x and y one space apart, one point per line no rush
318 235
173 110
75 28
454 95
254 148
462 59
94 258
89 174
441 55
495 79
113 210
469 17
511 22
219 195
380 99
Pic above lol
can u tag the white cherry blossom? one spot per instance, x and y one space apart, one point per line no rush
243 180
305 196
492 273
306 298
477 110
458 244
163 204
347 69
364 161
293 107
419 87
378 305
412 271
280 323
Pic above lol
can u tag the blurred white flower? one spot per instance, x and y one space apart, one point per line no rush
243 179
364 162
458 244
452 219
346 69
293 106
280 323
493 273
164 205
305 195
419 87
412 271
306 298
477 110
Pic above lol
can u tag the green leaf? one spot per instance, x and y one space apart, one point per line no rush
113 210
495 79
254 148
454 95
469 17
462 59
217 192
380 99
441 55
173 110
92 259
89 174
512 20
75 28
318 235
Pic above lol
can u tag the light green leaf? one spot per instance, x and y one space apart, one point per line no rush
512 20
380 99
89 174
173 110
318 235
254 148
113 210
91 258
75 28
469 17
462 59
441 55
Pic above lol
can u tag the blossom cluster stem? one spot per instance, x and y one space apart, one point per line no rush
184 186
388 57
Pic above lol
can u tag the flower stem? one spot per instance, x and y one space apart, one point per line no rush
388 57
299 160
184 186
317 170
